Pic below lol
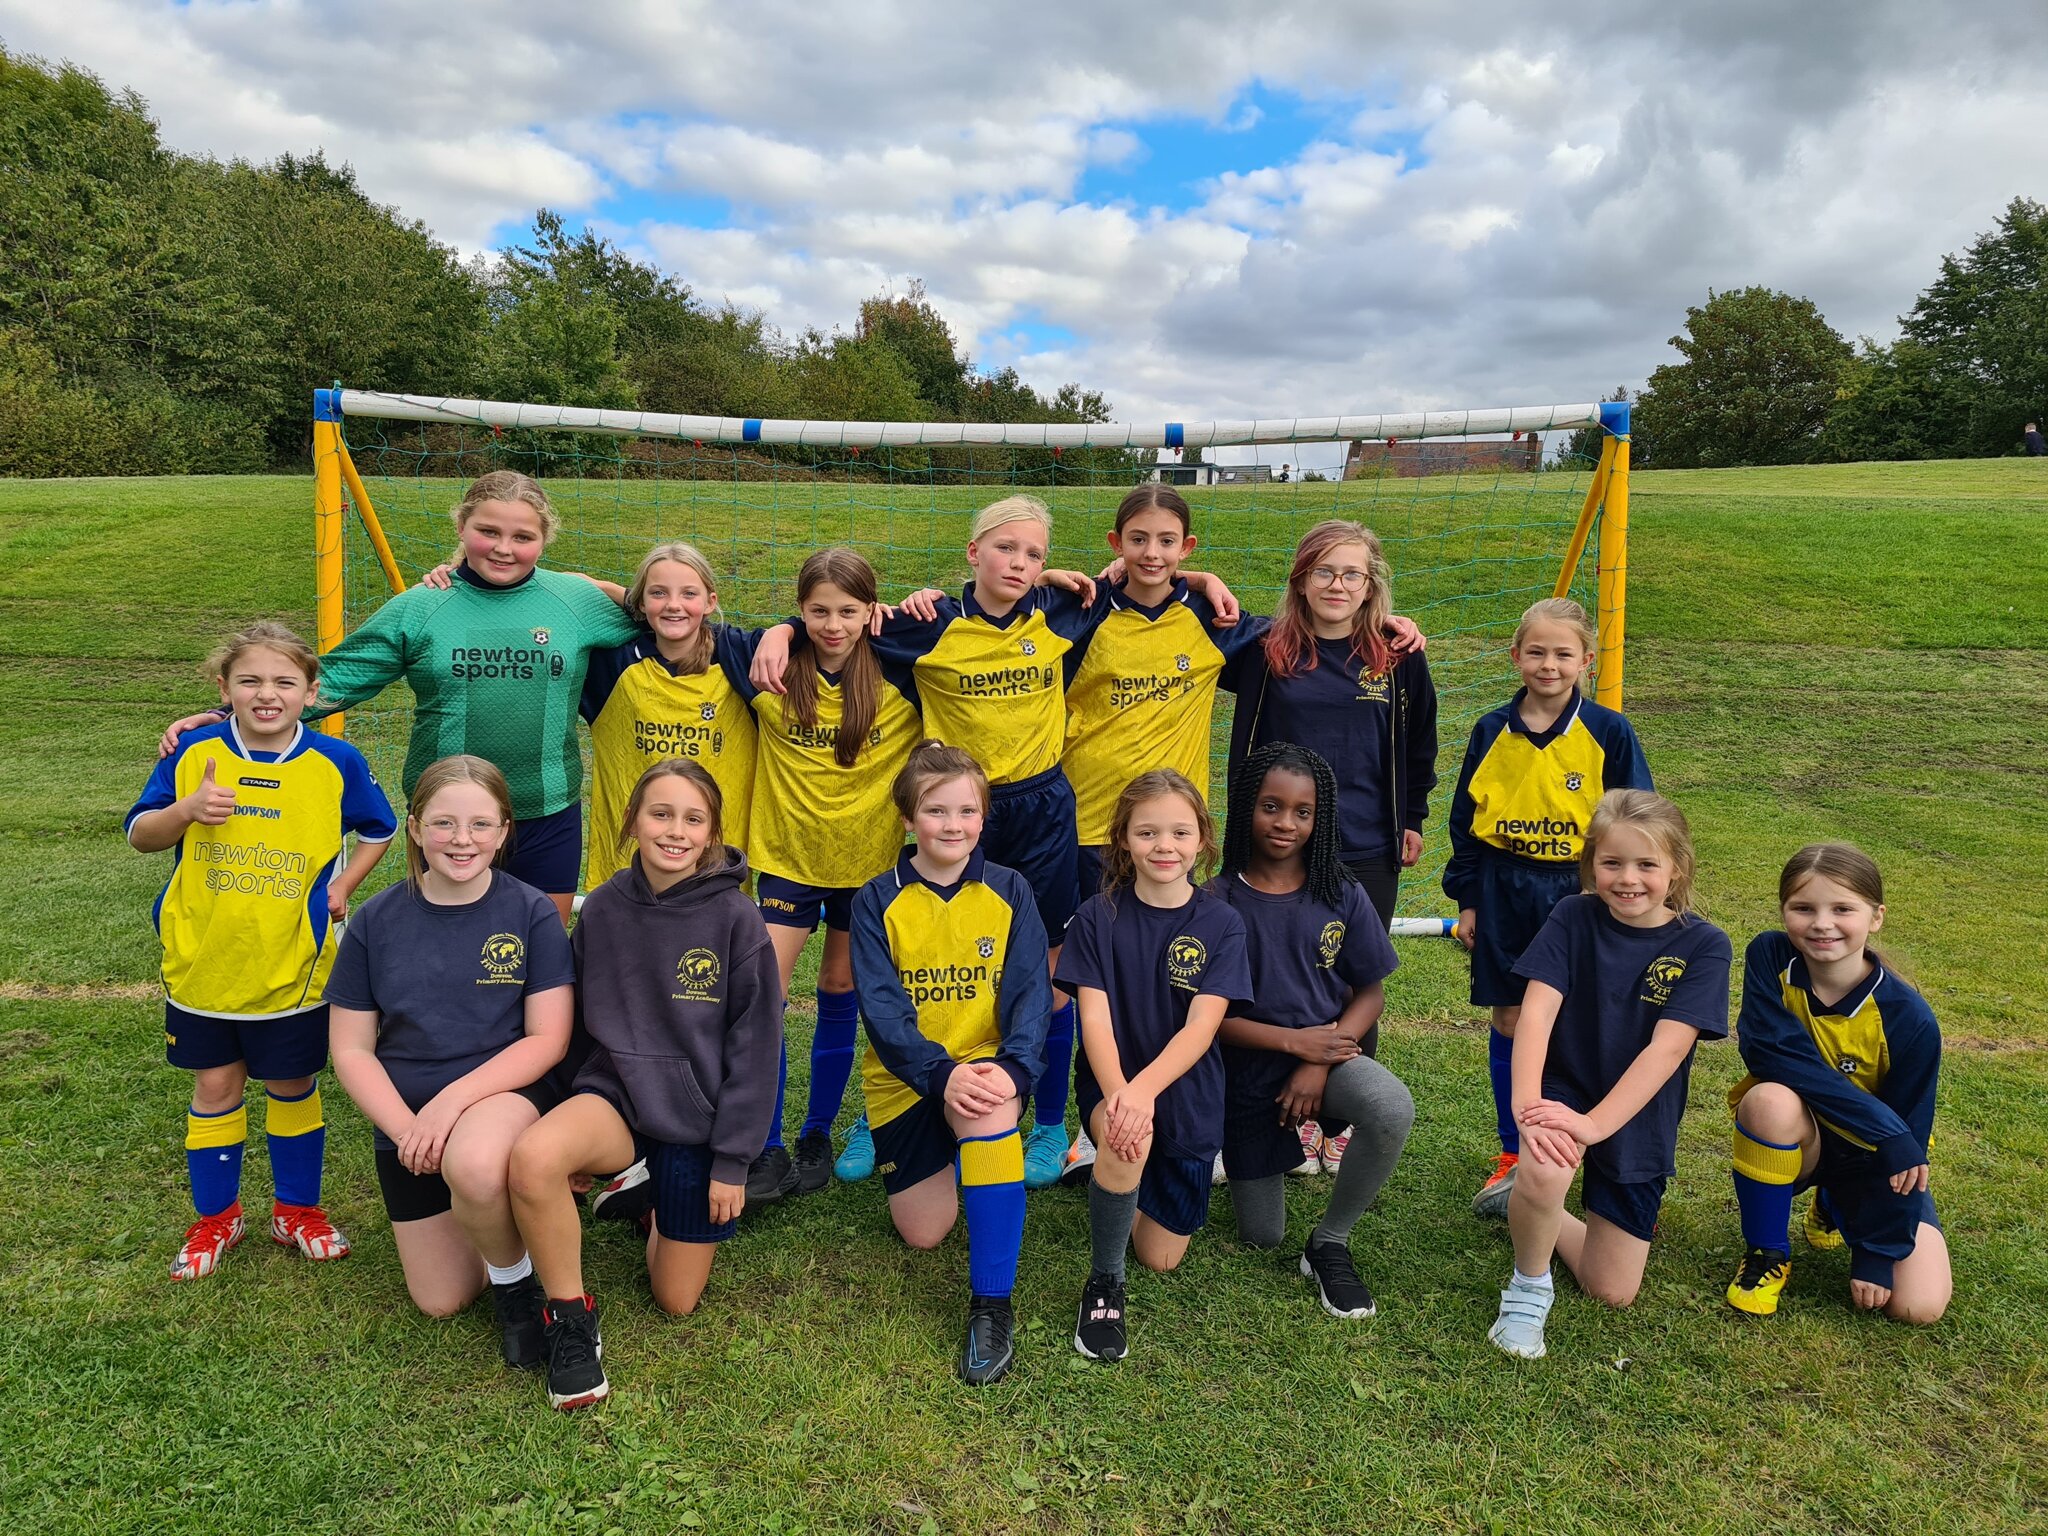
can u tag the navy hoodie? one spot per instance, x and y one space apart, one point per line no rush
682 1003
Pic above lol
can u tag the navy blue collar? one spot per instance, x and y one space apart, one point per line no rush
1120 598
1542 739
974 610
1843 1007
907 875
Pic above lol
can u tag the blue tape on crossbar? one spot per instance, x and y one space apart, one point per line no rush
751 431
327 405
1614 416
1173 434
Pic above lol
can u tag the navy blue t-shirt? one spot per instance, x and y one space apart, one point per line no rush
1618 982
1306 961
1153 962
1345 713
448 984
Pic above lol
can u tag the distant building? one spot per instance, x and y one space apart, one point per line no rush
1445 456
1213 474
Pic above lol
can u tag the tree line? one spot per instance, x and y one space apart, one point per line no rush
165 313
1764 379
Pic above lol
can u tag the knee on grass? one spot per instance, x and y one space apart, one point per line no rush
441 1298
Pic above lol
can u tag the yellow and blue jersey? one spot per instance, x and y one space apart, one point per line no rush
1866 1064
995 687
243 917
1141 691
1531 794
947 974
642 710
810 820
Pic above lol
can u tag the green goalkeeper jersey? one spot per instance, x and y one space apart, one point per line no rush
495 671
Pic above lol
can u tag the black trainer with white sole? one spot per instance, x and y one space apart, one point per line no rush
1343 1293
520 1333
1099 1325
575 1354
625 1196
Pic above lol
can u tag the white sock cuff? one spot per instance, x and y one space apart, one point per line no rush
1533 1282
511 1272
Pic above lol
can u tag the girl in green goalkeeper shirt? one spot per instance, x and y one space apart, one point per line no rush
496 664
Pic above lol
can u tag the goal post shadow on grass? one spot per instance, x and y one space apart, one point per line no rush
1475 523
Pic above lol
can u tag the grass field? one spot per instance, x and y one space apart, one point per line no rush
1858 652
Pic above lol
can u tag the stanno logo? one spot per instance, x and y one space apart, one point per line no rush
1572 781
503 955
1181 663
249 783
1331 941
707 711
697 974
1186 957
540 637
1660 978
985 948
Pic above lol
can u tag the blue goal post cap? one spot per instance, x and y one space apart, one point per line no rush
1175 433
1614 417
327 405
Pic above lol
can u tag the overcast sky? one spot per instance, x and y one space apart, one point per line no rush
1204 209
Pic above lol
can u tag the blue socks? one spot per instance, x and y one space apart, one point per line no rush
831 1058
1049 1098
991 1171
213 1157
298 1145
1500 1067
781 1088
1765 1175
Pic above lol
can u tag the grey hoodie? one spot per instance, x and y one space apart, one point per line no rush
681 1000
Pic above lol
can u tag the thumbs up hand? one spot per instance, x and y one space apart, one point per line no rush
212 803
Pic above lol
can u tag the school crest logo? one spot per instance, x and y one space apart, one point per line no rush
1028 647
1572 781
697 974
1372 686
503 955
985 947
1660 978
1181 663
1186 957
540 637
707 711
1331 941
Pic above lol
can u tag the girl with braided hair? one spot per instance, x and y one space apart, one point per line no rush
1297 1051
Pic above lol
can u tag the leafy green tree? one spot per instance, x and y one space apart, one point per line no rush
908 326
554 328
1760 372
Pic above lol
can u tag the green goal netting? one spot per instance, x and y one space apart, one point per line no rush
1478 514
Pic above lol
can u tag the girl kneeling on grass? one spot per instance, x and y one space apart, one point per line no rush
258 809
949 959
1843 1055
676 988
451 1003
1623 983
1319 961
1153 963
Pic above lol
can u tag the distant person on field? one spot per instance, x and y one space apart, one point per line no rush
2036 444
1843 1057
258 809
1283 472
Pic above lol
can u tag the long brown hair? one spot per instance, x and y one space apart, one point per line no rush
462 768
1846 865
1290 644
1151 496
1119 869
1663 823
860 681
698 657
712 856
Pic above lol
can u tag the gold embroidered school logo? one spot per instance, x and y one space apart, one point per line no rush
1185 958
540 637
1181 663
1572 781
1660 978
985 947
1331 941
504 954
697 974
1372 686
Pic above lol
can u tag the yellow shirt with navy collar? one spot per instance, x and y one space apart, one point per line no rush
810 820
946 975
996 687
1532 794
243 917
642 711
1142 695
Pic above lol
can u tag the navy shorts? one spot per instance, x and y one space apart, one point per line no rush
292 1045
1255 1144
1880 1226
410 1196
788 904
915 1145
1515 898
1173 1190
1087 874
681 1178
547 851
1030 829
1632 1207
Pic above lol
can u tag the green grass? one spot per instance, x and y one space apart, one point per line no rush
1853 652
